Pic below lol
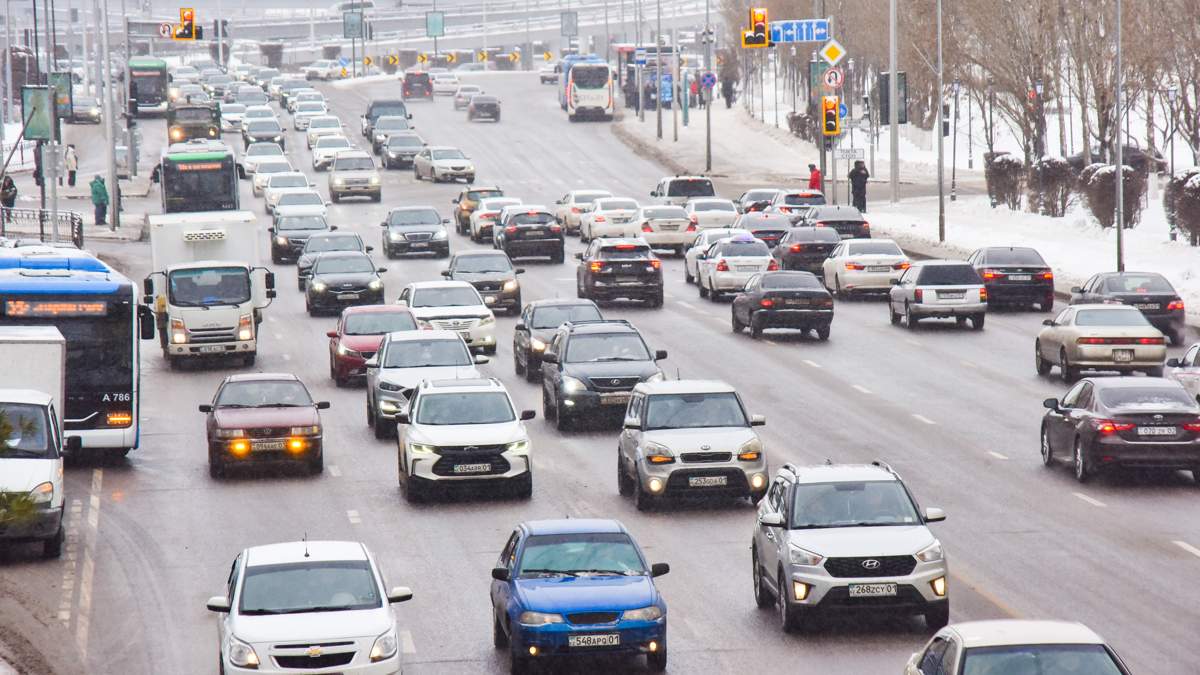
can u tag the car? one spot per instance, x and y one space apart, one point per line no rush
279 184
441 163
847 220
768 228
548 74
445 84
664 227
231 116
462 96
864 266
687 439
1099 337
483 106
384 127
321 243
359 333
270 623
342 278
569 209
729 263
468 200
191 93
756 199
289 234
415 229
306 96
463 433
400 149
845 539
576 587
249 95
677 190
263 76
258 112
323 126
31 468
529 230
1107 423
539 320
301 203
485 215
243 71
943 289
704 240
793 202
382 107
185 75
322 69
417 84
288 88
217 85
1186 369
353 174
86 109
711 212
806 249
453 305
492 274
1016 646
263 130
403 361
591 368
326 149
263 418
619 268
264 169
306 112
609 217
783 300
1150 292
1015 275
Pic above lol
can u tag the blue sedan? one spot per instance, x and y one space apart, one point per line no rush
577 587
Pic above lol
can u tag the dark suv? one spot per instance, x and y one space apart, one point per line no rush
291 233
526 230
1015 274
417 85
380 108
591 368
492 274
806 248
847 220
619 268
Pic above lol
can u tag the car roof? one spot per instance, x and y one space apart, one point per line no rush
613 242
686 387
1023 631
938 262
477 187
602 326
353 154
334 235
560 302
414 335
524 207
30 396
479 253
836 473
443 147
839 210
687 178
572 526
439 284
1128 273
1105 307
303 551
264 377
376 309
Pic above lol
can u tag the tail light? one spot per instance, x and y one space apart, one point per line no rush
773 266
596 266
1048 276
491 215
796 248
918 295
766 302
983 295
511 229
855 266
1175 305
119 418
1120 341
1109 427
598 219
556 228
656 264
646 227
1191 426
825 302
901 266
691 227
820 223
866 225
991 274
722 266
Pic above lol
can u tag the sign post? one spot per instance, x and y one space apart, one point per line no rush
569 23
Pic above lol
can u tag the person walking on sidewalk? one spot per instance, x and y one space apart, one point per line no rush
100 199
71 162
815 180
8 196
858 185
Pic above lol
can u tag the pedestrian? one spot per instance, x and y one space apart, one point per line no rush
100 199
815 180
8 196
37 165
727 92
858 185
71 162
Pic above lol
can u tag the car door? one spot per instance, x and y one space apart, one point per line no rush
501 590
706 263
899 293
231 582
521 333
630 439
1060 424
830 264
1051 340
766 537
552 372
744 302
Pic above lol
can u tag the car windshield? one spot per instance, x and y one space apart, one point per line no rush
288 181
606 347
713 206
338 243
1013 256
452 296
427 353
404 142
1039 660
616 204
694 187
401 217
1110 317
333 142
263 127
301 223
210 286
490 407
775 282
1137 283
325 123
391 124
746 249
580 553
316 586
254 97
263 393
949 275
625 252
665 213
852 504
273 167
497 262
874 248
359 264
353 164
259 114
264 150
301 199
448 154
25 432
378 323
803 199
692 411
1155 398
394 110
313 107
533 218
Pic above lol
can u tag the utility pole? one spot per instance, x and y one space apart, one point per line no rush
1119 164
893 105
708 101
50 164
220 35
675 100
941 97
607 33
8 83
954 148
485 23
658 77
109 120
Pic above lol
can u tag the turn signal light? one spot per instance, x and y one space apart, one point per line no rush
598 219
1109 427
511 229
239 447
991 274
119 418
596 266
751 456
1048 276
576 209
296 444
918 295
660 459
855 266
901 266
691 228
983 295
656 264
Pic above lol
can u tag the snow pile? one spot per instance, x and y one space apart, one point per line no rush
367 79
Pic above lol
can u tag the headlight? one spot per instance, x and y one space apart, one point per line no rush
538 618
385 646
231 433
440 234
241 654
518 447
932 553
179 333
345 351
393 155
799 556
95 111
395 236
511 285
42 494
750 451
657 377
339 181
572 385
420 449
277 138
379 138
318 286
651 613
282 241
657 453
374 180
375 285
537 345
388 386
305 431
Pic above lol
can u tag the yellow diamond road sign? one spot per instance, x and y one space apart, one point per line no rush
421 58
833 52
367 61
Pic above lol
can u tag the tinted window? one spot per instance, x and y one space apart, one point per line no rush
824 234
427 354
758 196
531 219
476 195
606 347
228 108
316 107
259 114
771 282
743 248
1040 659
483 263
610 204
273 167
263 126
665 212
599 553
1016 256
689 411
803 199
301 199
323 244
448 154
1137 283
454 296
939 275
343 265
378 323
1110 317
874 248
554 316
324 123
252 393
590 77
353 164
484 100
463 408
333 142
323 586
193 114
391 124
389 109
25 432
1175 398
625 252
852 503
414 217
713 206
694 187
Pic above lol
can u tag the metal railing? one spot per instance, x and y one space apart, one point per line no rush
31 223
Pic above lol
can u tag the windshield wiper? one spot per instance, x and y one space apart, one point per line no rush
235 405
299 610
617 573
283 405
616 358
565 573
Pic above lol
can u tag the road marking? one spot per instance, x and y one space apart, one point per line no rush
88 568
997 455
969 364
1089 500
912 342
71 554
334 470
279 336
922 418
406 643
861 389
771 342
1187 547
814 364
355 519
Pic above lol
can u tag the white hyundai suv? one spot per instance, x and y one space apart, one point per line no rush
463 432
846 538
307 604
404 360
452 305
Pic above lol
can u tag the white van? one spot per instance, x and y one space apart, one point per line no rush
31 470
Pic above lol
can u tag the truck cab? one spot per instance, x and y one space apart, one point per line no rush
188 120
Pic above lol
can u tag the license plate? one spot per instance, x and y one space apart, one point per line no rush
1146 305
1020 277
472 468
266 446
534 233
1122 355
347 296
668 228
620 220
602 640
878 268
628 280
707 481
419 244
618 398
747 268
212 349
796 302
1156 431
950 296
872 590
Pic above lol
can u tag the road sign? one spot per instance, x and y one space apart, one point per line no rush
833 52
367 61
421 58
344 72
803 30
708 80
352 25
569 21
164 30
850 153
514 57
833 78
639 57
549 56
482 55
451 57
393 60
343 62
435 24
843 111
666 92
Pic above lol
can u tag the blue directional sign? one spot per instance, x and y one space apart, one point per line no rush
666 92
343 61
639 57
708 80
842 110
803 30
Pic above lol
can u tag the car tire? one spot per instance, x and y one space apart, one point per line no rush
977 321
1040 364
1081 463
562 421
52 547
300 284
910 321
837 288
558 258
656 300
518 367
1177 336
1046 450
624 482
892 315
384 428
547 409
316 465
416 173
687 276
756 328
499 637
736 325
762 596
789 618
938 617
1047 305
701 287
216 470
1069 373
518 663
657 661
823 332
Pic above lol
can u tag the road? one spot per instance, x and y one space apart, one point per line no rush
955 412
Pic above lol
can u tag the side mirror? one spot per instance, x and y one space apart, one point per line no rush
332 334
654 193
74 444
1076 289
333 228
271 294
1173 363
217 603
269 280
894 282
454 201
771 520
372 362
500 573
527 415
322 405
480 359
579 256
381 270
446 273
519 270
328 203
1048 322
519 327
632 424
659 569
148 286
1050 404
271 230
383 224
445 221
758 420
399 594
204 408
549 357
402 418
934 515
370 248
660 355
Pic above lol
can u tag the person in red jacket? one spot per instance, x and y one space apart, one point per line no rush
815 180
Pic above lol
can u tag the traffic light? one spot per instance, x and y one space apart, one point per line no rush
755 35
831 121
945 119
186 30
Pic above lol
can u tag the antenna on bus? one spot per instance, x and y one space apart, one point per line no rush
305 540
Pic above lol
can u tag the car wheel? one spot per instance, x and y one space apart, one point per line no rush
1039 362
1082 463
518 663
518 367
216 470
756 328
1156 371
734 323
789 618
384 428
1069 372
762 596
701 288
837 288
977 321
1047 305
892 315
1047 451
937 619
1177 336
687 275
547 409
52 547
499 637
416 173
624 482
823 332
562 421
558 258
657 660
317 464
910 321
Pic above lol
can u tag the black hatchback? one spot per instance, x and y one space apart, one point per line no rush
806 248
1015 275
1147 291
783 300
529 231
619 268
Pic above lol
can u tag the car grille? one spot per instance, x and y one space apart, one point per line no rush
614 383
457 168
454 324
352 182
488 285
308 662
206 335
696 457
418 236
589 618
264 432
348 287
888 566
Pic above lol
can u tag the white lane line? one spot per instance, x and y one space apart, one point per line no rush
87 572
70 564
334 470
564 279
968 364
814 364
406 642
912 342
279 336
355 519
771 342
1187 547
861 389
97 480
1089 500
997 455
922 418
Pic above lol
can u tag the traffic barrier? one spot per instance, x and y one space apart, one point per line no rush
37 222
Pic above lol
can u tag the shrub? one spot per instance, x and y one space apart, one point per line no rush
1050 183
1005 175
1172 192
1100 192
1187 205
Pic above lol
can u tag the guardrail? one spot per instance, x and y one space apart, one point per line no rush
36 222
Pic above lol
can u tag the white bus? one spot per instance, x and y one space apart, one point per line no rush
589 91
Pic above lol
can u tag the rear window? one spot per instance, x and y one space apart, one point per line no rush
476 195
610 204
590 77
781 281
484 100
838 215
875 248
802 199
692 187
416 78
1015 256
625 252
664 212
713 206
1152 398
818 234
1138 283
1110 317
744 248
948 275
531 219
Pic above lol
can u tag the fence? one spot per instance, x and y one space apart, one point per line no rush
22 223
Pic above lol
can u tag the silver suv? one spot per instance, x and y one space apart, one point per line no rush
353 174
942 289
686 438
846 538
462 432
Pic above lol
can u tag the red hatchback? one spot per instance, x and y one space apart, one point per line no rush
359 332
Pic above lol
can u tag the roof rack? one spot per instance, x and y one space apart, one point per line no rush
885 466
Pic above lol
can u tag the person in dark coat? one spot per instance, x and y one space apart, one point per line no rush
99 199
8 196
858 177
727 91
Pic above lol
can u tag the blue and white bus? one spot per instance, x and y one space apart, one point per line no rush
587 88
97 311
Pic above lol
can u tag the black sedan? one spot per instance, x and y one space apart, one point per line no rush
340 280
806 248
263 131
492 274
483 106
767 227
534 331
325 242
783 300
529 231
1111 422
1015 275
415 229
399 149
1148 291
290 234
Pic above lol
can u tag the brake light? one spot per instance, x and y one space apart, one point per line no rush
820 223
1152 341
1048 276
766 302
556 228
511 229
825 302
1175 306
491 215
626 247
1120 341
991 274
656 264
866 225
596 266
918 295
983 295
796 248
773 266
1191 426
722 266
901 266
597 219
1109 427
646 227
855 266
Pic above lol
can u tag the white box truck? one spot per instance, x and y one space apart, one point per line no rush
32 384
207 289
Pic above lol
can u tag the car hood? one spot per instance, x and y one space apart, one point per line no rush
356 173
409 378
467 434
566 595
263 134
473 311
354 278
472 277
712 438
858 542
297 235
313 627
362 343
24 474
306 210
600 370
240 418
278 192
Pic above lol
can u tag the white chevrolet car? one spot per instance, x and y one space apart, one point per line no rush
728 264
301 203
460 433
665 227
327 148
302 604
445 84
257 153
608 217
702 242
487 214
267 168
452 305
710 212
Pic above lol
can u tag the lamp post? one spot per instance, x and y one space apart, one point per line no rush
893 104
1119 163
954 148
941 137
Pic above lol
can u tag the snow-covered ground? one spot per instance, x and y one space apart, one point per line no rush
22 160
